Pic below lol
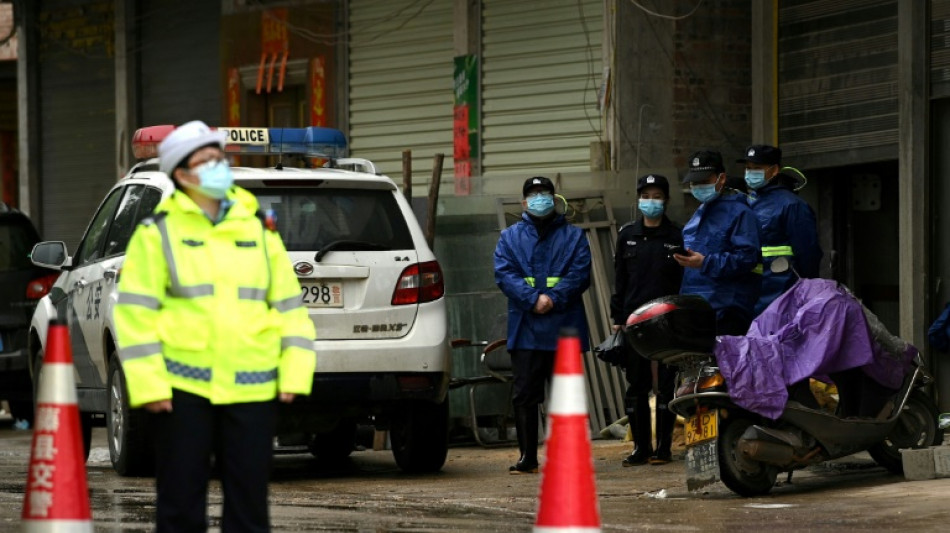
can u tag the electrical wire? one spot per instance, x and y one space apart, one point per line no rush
590 73
667 17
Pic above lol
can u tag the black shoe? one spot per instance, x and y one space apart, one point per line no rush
636 458
521 468
660 459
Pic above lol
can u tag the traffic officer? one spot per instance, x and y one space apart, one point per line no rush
722 245
786 223
211 332
644 269
542 264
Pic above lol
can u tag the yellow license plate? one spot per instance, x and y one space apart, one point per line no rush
701 427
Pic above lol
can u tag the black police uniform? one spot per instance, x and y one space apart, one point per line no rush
645 270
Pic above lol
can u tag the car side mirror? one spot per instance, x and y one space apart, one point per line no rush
780 265
50 254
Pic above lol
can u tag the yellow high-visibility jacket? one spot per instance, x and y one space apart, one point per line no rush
211 309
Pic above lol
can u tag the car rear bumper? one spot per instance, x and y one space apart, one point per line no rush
369 389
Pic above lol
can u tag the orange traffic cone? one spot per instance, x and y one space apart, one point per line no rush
57 496
568 497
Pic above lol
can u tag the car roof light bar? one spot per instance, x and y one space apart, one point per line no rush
313 141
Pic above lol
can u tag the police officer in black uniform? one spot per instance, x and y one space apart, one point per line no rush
645 269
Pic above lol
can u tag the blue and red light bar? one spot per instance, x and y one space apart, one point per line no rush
312 141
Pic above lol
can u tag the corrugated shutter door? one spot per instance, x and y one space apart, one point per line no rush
77 117
838 80
400 82
180 71
540 71
940 48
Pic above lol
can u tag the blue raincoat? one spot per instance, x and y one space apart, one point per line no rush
787 227
724 231
555 262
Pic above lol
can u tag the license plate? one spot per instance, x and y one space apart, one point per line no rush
323 293
701 427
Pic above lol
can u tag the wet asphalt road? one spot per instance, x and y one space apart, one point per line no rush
368 493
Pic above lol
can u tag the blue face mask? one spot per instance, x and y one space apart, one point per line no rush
215 179
755 178
704 192
540 204
651 208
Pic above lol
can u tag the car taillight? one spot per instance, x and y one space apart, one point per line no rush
419 283
40 287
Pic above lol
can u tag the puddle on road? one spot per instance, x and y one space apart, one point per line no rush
770 505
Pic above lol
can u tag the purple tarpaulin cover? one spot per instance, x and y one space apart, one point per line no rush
816 328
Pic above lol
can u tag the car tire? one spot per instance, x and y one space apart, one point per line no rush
419 434
85 429
336 444
129 448
22 410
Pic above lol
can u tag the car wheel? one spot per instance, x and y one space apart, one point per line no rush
85 429
129 448
419 434
335 444
21 410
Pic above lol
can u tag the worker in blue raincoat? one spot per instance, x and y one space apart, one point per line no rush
722 262
542 264
787 226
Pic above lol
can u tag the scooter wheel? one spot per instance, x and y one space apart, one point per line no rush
735 474
916 428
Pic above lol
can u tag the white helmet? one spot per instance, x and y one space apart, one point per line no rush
184 140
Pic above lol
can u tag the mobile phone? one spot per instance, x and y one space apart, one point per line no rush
678 250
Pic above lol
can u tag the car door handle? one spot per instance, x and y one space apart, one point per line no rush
110 274
79 285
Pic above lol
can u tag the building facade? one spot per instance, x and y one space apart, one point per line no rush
591 92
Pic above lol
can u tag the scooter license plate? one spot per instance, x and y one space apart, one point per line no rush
701 427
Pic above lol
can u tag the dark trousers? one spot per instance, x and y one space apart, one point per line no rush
239 437
532 371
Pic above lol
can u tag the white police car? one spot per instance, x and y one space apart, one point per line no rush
372 285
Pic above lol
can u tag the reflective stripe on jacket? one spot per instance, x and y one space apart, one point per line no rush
211 309
724 231
787 227
560 255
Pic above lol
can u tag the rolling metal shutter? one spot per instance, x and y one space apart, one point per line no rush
838 81
940 48
541 69
180 70
400 82
77 114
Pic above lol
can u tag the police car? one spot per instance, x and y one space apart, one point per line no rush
373 288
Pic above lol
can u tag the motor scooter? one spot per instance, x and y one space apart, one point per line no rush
749 412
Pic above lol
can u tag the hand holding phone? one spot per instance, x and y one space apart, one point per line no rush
679 250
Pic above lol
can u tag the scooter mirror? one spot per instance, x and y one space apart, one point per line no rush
780 265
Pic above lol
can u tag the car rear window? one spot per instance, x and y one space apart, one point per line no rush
309 218
17 238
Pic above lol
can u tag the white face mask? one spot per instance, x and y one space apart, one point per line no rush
214 177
